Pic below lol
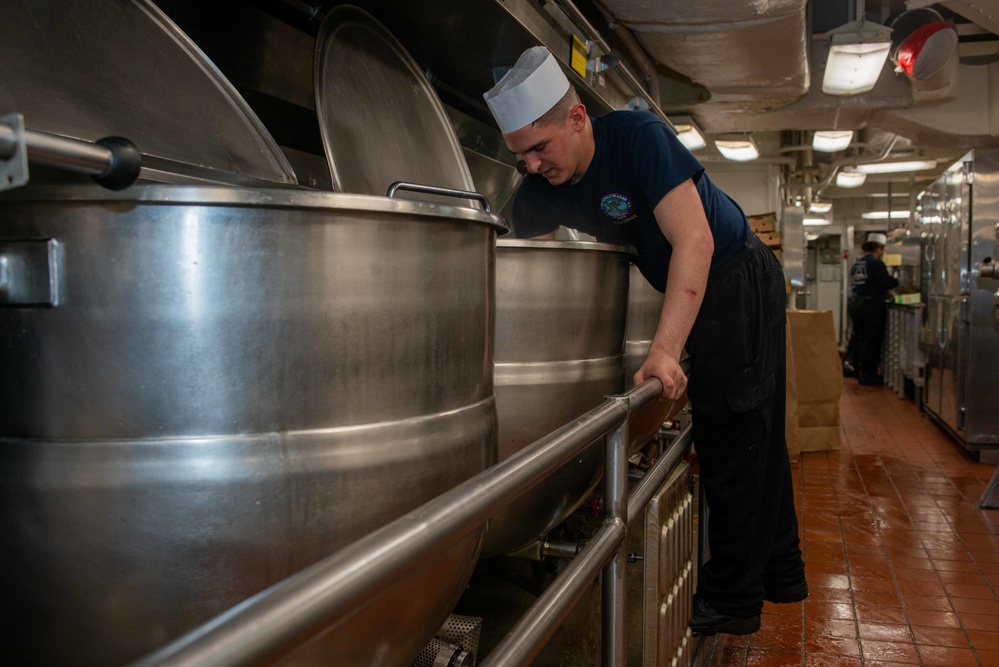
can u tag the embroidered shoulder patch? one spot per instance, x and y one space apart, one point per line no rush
616 206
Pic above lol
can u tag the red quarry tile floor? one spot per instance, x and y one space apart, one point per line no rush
902 566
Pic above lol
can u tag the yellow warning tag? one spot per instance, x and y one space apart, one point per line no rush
578 59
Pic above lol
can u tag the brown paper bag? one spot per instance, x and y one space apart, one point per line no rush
791 416
818 378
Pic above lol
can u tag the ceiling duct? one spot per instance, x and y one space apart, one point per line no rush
971 120
751 55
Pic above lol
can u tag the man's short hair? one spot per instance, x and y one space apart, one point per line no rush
870 246
560 111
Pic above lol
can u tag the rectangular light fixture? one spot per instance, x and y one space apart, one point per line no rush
895 167
741 149
883 215
850 179
820 207
688 134
815 222
830 141
857 54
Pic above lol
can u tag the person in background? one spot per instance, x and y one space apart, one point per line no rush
625 178
870 283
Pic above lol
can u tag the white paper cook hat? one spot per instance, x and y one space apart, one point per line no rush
530 89
880 239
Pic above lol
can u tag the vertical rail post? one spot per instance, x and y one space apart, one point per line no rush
614 646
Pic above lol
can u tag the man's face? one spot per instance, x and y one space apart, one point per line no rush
552 150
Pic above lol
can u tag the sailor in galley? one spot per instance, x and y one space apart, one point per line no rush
625 178
870 284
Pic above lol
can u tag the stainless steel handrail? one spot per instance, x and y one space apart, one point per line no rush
288 615
525 640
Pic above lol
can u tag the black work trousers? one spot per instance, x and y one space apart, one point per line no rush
868 313
737 393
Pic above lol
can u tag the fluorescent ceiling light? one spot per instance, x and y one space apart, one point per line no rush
895 167
816 222
857 54
820 207
830 141
811 237
850 179
689 137
883 215
739 150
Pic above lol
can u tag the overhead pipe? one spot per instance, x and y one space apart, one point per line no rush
591 33
635 50
717 45
853 161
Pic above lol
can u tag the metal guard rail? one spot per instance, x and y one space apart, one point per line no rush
274 623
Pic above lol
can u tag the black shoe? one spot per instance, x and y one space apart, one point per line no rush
848 370
872 381
785 594
707 621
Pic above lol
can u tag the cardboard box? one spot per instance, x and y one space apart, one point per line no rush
818 378
771 239
907 298
766 222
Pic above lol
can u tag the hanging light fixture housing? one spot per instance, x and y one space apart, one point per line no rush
737 148
830 141
850 179
688 134
857 54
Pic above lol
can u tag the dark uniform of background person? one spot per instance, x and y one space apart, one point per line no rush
870 283
736 343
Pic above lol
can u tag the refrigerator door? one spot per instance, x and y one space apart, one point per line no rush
983 379
954 364
944 337
933 341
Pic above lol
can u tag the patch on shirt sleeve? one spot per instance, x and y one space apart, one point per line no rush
616 206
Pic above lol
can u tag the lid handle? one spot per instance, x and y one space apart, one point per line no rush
113 162
434 190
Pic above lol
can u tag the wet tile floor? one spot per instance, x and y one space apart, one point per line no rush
902 566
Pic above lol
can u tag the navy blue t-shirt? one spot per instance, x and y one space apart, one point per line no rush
638 161
869 276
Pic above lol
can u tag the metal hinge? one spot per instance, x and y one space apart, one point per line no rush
29 273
